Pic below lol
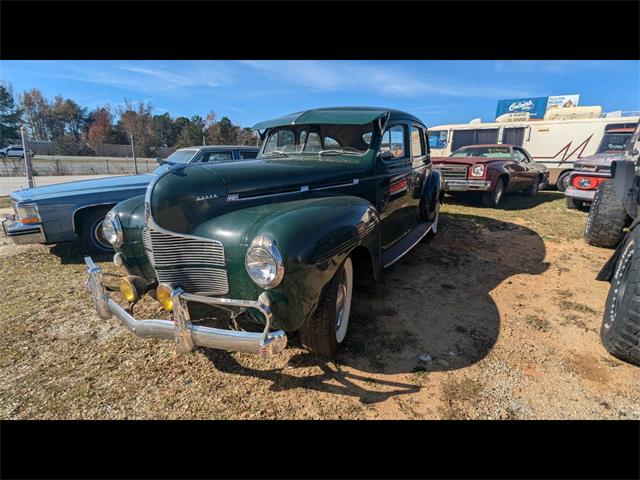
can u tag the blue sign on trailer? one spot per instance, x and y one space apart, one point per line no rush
535 106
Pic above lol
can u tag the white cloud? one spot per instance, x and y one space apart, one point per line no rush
387 81
548 66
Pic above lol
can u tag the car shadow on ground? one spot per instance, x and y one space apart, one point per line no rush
510 201
74 253
435 301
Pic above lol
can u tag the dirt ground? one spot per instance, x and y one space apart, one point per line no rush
503 301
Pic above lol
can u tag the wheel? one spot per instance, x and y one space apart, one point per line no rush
492 199
532 191
620 330
572 203
325 331
607 218
91 232
563 181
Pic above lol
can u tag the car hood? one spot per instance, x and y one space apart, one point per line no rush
186 196
82 187
598 160
465 160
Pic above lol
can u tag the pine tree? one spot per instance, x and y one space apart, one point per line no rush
10 116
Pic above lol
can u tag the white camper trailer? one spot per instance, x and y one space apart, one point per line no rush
564 135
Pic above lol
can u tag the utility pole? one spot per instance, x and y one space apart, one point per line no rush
27 158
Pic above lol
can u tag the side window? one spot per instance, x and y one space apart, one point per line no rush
244 154
417 142
223 156
313 143
393 141
438 138
330 142
519 156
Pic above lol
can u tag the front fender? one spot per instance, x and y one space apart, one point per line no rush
314 236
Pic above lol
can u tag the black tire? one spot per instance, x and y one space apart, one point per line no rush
532 191
90 232
607 218
620 330
319 334
572 203
561 183
492 199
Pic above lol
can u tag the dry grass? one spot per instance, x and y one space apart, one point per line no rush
5 202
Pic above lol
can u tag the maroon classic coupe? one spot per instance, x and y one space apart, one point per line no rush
492 170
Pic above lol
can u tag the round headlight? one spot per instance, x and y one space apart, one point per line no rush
477 170
585 182
112 229
263 262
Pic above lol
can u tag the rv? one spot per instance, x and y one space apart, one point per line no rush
563 136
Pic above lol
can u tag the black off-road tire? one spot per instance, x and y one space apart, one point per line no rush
620 330
560 183
607 218
493 198
572 203
318 334
532 191
88 234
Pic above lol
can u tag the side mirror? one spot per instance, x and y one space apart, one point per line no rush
159 161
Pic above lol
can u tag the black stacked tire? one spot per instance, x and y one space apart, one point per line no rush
620 331
607 218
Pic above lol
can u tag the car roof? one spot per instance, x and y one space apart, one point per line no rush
337 116
221 147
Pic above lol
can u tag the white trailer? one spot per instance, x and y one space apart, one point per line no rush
564 135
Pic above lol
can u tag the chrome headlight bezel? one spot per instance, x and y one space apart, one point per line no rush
112 229
27 212
479 172
265 245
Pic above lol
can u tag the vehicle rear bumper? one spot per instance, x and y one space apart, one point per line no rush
577 194
180 329
22 234
460 185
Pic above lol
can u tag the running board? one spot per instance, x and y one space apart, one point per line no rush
406 243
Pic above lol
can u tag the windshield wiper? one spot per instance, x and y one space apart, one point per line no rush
277 152
336 151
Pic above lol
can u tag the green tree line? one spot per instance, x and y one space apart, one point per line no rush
65 122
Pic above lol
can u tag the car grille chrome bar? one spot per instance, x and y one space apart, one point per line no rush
453 171
186 262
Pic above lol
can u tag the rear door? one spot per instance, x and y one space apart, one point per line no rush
522 171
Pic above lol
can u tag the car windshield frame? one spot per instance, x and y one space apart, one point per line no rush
306 140
506 151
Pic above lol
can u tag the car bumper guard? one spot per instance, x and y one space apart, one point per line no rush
185 334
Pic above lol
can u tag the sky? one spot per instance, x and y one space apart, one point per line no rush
246 91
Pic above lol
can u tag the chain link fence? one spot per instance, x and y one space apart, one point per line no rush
64 159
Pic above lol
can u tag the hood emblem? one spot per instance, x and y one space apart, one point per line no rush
201 198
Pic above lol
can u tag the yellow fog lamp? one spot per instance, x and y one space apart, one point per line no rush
163 295
132 288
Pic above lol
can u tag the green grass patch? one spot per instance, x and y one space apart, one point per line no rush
545 213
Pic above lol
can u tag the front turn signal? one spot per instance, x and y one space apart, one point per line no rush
163 295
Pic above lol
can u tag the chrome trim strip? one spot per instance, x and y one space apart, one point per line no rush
234 197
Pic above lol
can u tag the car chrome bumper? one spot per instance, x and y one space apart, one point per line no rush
453 185
22 234
577 194
180 328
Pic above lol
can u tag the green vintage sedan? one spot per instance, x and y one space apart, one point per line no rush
334 192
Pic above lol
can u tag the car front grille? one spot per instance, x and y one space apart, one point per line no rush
193 264
453 171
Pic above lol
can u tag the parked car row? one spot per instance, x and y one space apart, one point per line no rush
275 235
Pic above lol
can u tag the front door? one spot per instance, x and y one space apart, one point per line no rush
394 166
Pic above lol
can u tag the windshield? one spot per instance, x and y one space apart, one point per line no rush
487 152
319 140
614 142
438 138
181 156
